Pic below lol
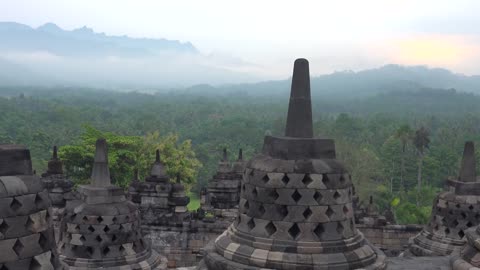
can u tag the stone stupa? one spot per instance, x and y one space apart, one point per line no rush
454 211
102 231
161 202
60 189
224 188
295 209
26 236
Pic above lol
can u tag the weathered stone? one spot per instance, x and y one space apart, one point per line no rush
313 227
451 214
103 229
26 238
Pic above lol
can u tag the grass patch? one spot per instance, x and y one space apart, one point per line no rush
194 202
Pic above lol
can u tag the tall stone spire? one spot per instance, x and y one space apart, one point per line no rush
100 172
295 209
468 168
299 119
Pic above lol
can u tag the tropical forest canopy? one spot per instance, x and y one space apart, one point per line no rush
399 145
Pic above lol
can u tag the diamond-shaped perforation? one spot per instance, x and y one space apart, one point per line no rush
455 223
307 213
461 233
270 228
307 180
91 228
340 228
345 209
85 218
336 195
15 204
319 230
99 219
18 247
457 205
29 223
4 227
82 238
294 231
38 200
296 196
255 193
447 231
106 229
469 224
273 194
464 215
121 248
246 206
90 250
317 196
42 241
114 238
325 179
98 239
470 207
285 179
329 212
251 224
261 210
34 265
342 179
265 179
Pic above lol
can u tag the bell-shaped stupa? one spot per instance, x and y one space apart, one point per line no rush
295 208
454 211
102 231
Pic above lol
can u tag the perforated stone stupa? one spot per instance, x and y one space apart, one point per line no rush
26 238
296 203
103 229
224 188
454 211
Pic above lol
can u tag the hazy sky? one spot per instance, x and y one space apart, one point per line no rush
333 35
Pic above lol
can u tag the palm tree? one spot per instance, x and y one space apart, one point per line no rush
421 141
404 134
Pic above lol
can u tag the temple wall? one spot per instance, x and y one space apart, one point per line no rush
392 239
183 245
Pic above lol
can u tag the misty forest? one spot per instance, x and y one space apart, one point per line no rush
399 145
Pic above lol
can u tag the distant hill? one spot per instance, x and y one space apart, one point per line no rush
82 42
360 84
82 57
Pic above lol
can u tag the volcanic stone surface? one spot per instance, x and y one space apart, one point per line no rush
223 190
160 201
59 188
103 229
454 211
295 209
26 238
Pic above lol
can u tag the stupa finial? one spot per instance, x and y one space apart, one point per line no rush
225 158
299 119
468 167
55 153
100 172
